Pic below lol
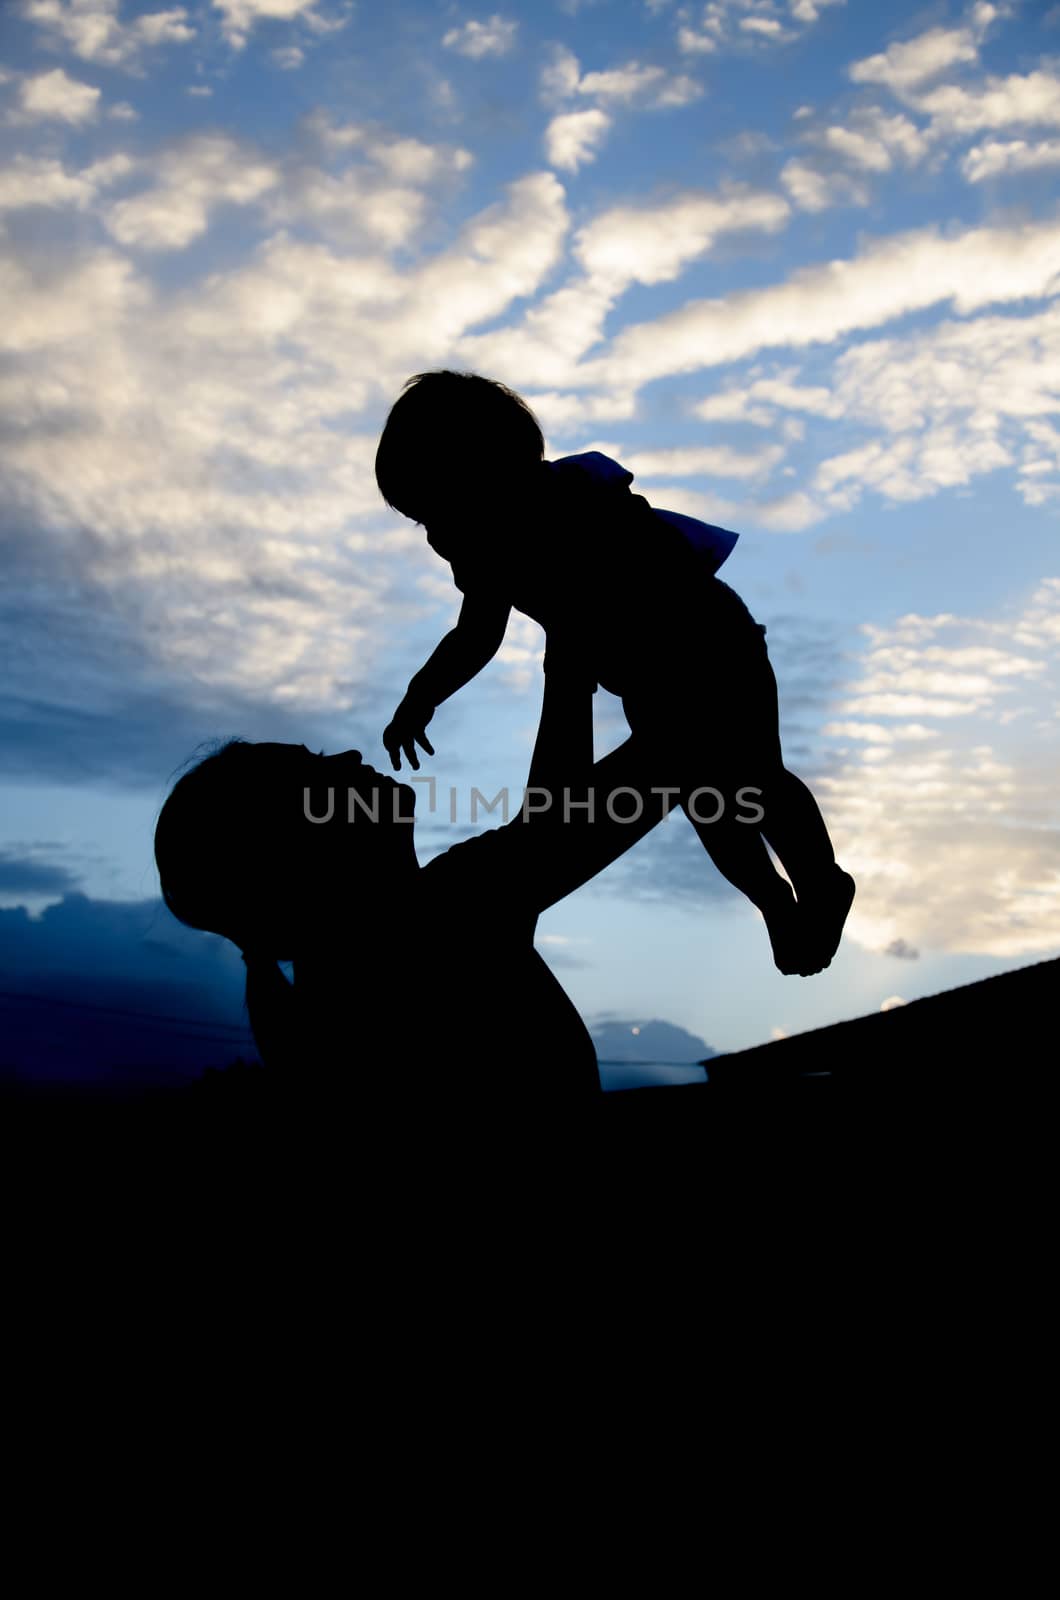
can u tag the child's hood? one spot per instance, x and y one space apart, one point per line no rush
714 543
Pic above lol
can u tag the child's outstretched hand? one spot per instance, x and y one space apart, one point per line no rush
405 730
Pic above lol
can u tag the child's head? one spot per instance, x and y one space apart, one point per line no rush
453 436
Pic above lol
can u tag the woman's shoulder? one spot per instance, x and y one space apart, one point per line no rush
477 856
482 890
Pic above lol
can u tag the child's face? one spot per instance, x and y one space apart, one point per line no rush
466 503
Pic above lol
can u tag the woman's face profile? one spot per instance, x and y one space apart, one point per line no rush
333 787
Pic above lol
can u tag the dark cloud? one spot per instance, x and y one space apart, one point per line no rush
21 874
86 700
92 989
634 1053
669 865
902 950
640 1039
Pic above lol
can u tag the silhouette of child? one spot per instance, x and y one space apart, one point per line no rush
629 594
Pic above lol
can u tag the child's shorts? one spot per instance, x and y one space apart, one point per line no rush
706 684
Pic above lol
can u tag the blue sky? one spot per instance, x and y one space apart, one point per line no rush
795 263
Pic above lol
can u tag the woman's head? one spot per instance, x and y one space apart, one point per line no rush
451 435
267 844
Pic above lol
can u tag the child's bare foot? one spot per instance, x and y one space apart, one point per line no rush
784 925
824 911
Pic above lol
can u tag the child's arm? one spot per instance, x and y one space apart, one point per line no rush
459 657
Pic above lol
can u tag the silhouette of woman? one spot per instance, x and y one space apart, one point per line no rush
412 984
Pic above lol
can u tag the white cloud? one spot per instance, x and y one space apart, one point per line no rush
998 158
1030 100
380 198
957 846
412 161
911 469
43 181
575 137
495 37
55 97
703 460
122 111
785 513
561 77
93 294
905 65
810 10
819 304
288 57
624 245
653 244
348 209
841 154
93 31
564 415
876 733
953 402
691 43
764 25
858 148
193 177
238 17
649 88
186 451
406 160
633 83
730 23
872 139
812 189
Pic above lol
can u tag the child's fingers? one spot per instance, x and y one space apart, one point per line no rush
392 747
426 743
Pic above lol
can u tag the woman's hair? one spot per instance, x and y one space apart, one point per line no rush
442 418
211 853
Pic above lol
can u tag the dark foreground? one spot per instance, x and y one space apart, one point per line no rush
953 1085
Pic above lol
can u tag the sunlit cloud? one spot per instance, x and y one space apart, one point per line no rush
494 37
999 158
94 31
888 278
955 842
55 97
575 137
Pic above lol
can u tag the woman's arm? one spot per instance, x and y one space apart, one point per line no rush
548 850
556 854
563 749
578 816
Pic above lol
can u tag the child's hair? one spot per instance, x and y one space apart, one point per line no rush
441 418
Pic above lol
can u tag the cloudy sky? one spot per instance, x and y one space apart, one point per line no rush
796 263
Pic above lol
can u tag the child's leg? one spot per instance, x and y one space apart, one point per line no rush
738 851
737 738
795 829
662 729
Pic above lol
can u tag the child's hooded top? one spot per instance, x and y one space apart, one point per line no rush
714 544
594 557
